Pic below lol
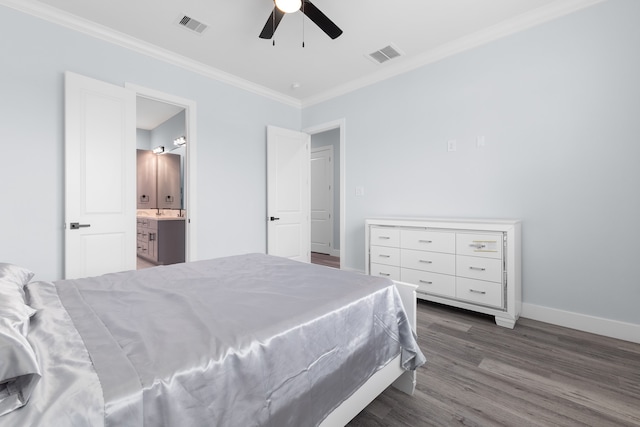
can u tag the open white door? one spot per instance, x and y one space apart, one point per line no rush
288 194
100 172
322 199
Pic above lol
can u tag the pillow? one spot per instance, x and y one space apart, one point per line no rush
13 307
14 274
19 370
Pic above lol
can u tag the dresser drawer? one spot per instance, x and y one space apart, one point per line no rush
479 292
474 267
483 245
435 241
428 261
430 283
389 271
385 255
384 236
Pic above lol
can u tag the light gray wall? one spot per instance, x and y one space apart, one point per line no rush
559 106
231 141
143 139
165 133
332 138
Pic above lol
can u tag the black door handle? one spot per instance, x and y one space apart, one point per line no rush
273 218
76 226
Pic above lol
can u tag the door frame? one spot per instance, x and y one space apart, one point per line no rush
338 124
190 182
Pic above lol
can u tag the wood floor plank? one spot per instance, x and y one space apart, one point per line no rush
621 410
324 259
479 374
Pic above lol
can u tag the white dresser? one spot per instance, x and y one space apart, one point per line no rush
471 264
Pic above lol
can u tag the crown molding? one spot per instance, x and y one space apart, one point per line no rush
520 23
73 22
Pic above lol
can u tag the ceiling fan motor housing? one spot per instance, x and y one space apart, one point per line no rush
311 12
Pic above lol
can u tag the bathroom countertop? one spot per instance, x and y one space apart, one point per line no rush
162 218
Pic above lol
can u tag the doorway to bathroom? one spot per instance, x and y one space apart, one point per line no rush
165 153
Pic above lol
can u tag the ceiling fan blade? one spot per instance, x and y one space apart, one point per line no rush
272 23
321 20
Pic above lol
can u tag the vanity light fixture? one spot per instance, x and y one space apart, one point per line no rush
179 142
158 150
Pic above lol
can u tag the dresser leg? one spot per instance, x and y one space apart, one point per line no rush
505 323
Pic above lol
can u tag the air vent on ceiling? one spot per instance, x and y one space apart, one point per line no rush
192 24
384 54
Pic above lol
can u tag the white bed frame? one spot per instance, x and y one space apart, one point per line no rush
391 374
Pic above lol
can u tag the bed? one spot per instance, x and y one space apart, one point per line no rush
243 340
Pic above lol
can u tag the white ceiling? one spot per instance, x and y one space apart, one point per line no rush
150 113
424 30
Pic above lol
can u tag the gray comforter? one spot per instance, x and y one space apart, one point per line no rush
249 340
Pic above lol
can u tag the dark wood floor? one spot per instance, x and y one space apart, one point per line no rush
480 374
323 259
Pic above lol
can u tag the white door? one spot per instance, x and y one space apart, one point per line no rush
100 169
288 194
322 199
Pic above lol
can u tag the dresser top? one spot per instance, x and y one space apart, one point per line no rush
475 223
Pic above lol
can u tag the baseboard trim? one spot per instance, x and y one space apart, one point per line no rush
582 322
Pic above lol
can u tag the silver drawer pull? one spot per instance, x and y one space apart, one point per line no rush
478 245
477 268
384 274
384 256
425 241
426 282
424 261
384 237
477 292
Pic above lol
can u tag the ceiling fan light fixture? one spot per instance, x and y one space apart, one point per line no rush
288 6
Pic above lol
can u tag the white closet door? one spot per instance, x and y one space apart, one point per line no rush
322 199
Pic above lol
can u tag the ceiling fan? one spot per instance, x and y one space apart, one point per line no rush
283 7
